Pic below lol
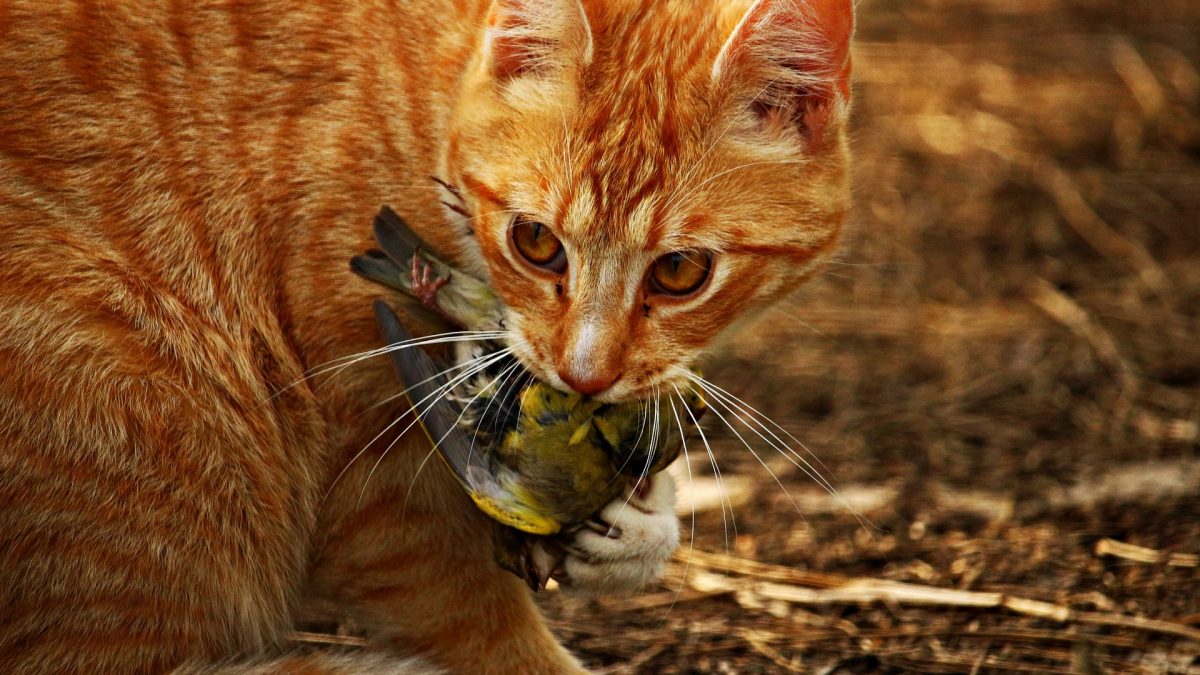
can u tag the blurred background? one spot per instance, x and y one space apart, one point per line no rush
1000 376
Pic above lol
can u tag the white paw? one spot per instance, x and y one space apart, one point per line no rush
625 548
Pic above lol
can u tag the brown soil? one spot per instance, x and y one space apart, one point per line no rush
1001 373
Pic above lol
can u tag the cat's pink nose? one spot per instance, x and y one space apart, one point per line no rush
588 386
591 358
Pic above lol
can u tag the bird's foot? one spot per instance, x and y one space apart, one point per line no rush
424 286
626 546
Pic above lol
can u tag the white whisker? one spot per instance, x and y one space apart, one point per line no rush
454 427
436 395
393 397
692 493
712 459
482 363
465 364
498 384
649 457
752 452
750 417
342 362
749 412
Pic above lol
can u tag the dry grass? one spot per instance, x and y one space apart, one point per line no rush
1002 373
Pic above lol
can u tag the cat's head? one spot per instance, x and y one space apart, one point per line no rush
641 173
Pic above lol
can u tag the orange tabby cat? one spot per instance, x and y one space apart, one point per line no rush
182 184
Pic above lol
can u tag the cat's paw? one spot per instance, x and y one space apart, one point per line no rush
626 546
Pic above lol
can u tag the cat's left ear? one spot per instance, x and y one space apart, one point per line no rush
535 37
792 58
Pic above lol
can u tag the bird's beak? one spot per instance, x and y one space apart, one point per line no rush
507 503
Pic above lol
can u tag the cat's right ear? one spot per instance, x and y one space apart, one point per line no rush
536 37
791 59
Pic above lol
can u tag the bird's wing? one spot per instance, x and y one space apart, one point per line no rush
381 269
496 490
395 237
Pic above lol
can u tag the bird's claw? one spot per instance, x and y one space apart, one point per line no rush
424 286
540 562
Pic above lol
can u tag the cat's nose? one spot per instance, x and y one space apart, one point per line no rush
589 386
591 359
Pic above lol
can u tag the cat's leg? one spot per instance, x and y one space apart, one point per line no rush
408 557
634 539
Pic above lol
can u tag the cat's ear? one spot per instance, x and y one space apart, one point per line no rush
791 59
534 37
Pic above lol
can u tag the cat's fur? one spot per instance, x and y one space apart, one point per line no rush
181 186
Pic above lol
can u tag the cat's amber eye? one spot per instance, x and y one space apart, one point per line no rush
538 245
681 272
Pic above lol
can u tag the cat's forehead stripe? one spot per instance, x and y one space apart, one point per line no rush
637 100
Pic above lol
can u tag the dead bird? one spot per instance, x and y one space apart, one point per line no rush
537 460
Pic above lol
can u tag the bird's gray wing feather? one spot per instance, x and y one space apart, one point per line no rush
422 379
381 269
494 488
395 237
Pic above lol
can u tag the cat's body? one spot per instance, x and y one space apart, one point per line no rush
182 185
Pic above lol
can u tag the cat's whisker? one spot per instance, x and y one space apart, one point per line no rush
843 263
524 376
712 459
645 417
413 482
342 362
749 447
752 419
379 435
327 366
748 411
691 491
498 384
417 419
656 437
465 364
420 342
440 338
436 395
483 362
649 458
800 321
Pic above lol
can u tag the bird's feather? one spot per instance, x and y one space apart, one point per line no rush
496 490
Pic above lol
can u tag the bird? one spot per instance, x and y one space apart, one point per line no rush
539 461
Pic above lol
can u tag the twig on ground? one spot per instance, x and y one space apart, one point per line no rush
1120 549
867 591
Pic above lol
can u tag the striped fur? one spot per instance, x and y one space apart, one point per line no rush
181 187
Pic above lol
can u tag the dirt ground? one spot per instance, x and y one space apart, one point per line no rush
1000 376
